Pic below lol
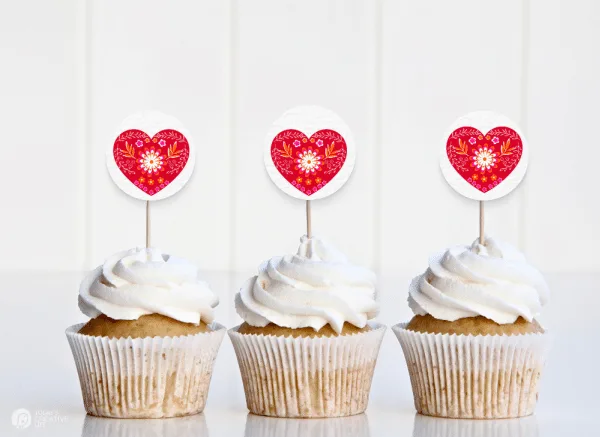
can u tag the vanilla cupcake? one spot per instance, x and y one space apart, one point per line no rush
149 348
306 347
474 348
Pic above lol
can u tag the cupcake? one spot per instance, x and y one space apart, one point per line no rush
149 348
306 347
474 348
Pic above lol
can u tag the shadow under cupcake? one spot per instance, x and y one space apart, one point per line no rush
474 349
149 349
306 348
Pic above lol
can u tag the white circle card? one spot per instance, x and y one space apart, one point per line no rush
309 152
484 155
152 157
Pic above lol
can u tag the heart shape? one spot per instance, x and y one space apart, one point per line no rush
484 161
151 164
308 163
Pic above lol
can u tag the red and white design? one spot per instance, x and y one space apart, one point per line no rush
151 164
151 161
309 152
484 160
308 163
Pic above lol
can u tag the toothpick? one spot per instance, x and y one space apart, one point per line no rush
147 223
481 239
308 220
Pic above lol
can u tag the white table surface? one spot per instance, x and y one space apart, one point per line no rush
37 372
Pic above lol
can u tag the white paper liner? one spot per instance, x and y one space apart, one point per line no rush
354 426
190 426
426 426
145 377
307 377
474 377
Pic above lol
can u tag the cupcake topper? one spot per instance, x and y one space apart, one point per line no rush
309 154
484 156
152 158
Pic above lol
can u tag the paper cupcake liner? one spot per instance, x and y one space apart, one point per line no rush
426 426
474 377
190 426
145 377
259 426
307 377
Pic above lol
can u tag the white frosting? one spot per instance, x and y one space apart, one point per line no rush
315 287
492 280
143 281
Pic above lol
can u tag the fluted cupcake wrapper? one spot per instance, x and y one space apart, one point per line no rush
474 377
307 377
145 377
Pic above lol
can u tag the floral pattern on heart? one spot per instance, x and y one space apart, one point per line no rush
151 164
308 163
484 161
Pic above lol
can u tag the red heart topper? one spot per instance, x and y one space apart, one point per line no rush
308 163
484 161
151 163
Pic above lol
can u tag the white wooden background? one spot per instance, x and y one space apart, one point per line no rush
399 72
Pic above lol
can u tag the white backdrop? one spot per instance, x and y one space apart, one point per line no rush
398 72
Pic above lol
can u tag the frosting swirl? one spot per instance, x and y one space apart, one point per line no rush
315 287
143 281
491 280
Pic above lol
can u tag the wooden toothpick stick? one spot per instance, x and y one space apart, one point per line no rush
308 220
481 238
147 223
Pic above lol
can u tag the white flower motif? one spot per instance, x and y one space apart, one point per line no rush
151 161
162 143
139 143
472 140
495 140
484 159
308 161
319 143
296 143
